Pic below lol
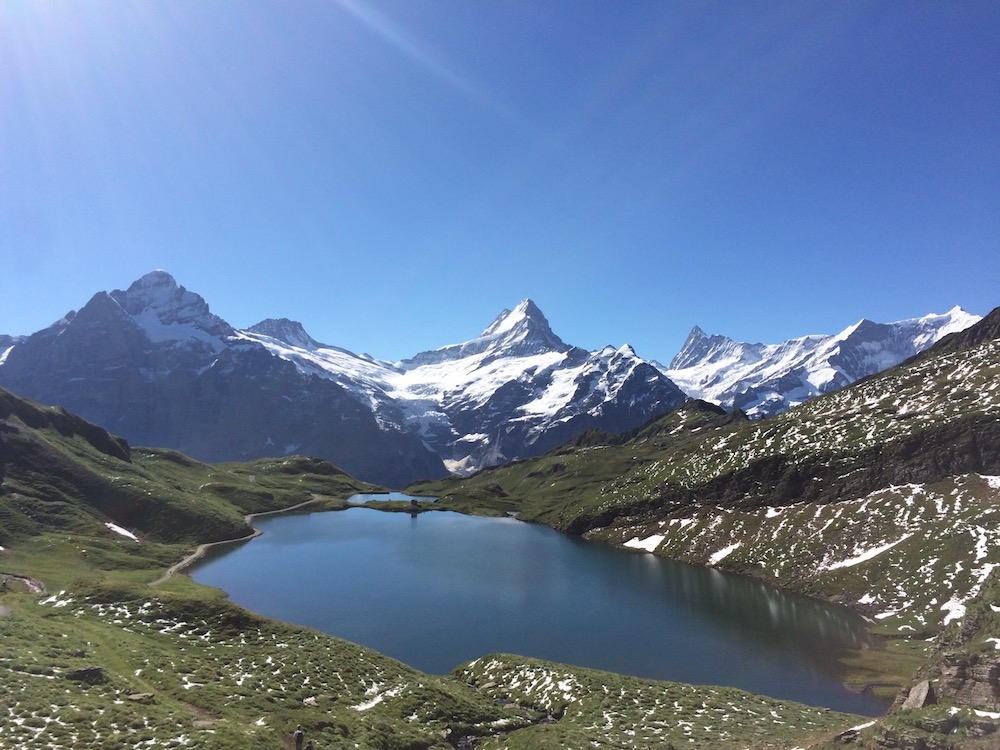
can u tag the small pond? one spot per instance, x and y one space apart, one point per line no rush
376 497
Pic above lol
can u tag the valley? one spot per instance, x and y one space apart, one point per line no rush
882 496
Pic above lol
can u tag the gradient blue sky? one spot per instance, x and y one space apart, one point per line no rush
393 174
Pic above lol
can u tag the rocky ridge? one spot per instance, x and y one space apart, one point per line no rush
766 379
153 364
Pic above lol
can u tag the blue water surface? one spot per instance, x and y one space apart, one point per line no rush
436 589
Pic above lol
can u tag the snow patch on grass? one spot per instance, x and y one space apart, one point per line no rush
866 555
121 531
649 544
723 553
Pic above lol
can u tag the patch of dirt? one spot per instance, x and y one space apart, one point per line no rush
205 718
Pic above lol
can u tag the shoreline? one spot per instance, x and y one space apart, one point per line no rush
201 549
842 672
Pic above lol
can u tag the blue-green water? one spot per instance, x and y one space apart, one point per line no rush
386 496
440 588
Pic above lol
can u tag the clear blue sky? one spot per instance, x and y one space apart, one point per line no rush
393 174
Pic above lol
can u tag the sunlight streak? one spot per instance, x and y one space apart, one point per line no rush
390 32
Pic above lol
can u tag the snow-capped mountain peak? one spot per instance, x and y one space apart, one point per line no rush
520 332
764 379
288 331
701 349
166 310
525 325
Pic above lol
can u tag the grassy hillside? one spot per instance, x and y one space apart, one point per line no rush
98 650
59 472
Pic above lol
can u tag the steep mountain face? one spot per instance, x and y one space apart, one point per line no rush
517 391
766 379
514 391
154 365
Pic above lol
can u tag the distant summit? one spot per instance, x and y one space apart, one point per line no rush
523 331
158 296
765 379
524 327
702 349
290 332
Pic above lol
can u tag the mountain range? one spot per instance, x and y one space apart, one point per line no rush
154 365
766 379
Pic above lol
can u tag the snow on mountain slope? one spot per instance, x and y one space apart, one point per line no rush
765 379
153 364
168 312
493 398
369 379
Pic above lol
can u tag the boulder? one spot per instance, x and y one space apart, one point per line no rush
921 694
92 675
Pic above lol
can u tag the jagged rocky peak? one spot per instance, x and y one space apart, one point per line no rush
158 294
520 332
700 348
765 379
524 324
290 332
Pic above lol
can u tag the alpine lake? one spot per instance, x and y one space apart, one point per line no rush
436 589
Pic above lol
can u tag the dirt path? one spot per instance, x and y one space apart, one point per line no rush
33 586
202 548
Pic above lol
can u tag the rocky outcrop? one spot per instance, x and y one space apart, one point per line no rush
971 680
920 695
956 710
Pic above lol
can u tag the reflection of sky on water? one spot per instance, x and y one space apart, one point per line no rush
389 496
440 588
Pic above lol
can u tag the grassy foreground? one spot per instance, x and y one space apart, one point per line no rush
102 659
106 659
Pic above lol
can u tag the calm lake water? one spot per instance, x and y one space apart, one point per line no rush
387 496
439 588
